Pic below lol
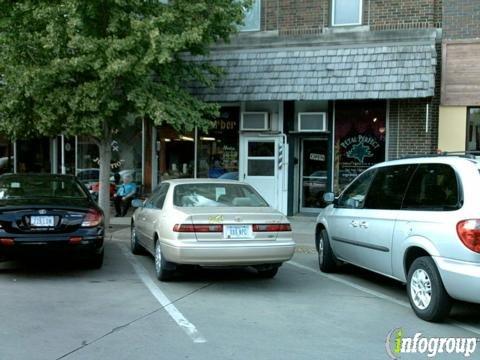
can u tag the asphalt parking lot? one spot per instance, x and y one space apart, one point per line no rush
59 310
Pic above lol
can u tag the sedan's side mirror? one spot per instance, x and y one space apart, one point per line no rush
137 203
329 197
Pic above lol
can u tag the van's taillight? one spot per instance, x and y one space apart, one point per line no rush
198 228
271 227
92 218
469 232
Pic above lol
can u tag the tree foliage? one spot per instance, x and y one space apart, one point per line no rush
74 66
88 67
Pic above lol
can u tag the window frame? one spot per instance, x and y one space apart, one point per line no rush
242 28
152 201
339 203
360 13
409 169
435 208
468 134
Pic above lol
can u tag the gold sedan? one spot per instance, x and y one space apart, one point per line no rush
214 223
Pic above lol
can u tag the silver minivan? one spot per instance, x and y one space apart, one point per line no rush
415 220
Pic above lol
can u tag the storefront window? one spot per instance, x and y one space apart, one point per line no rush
34 156
473 140
176 153
65 155
126 156
6 156
218 149
359 138
127 152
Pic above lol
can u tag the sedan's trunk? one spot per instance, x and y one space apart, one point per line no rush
230 224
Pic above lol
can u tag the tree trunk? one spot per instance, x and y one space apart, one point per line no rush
105 152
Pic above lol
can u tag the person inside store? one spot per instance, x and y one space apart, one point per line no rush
124 195
216 170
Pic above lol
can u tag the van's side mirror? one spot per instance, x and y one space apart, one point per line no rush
329 197
137 203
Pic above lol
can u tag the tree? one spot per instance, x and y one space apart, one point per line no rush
89 67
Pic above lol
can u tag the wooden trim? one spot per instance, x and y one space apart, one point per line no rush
443 85
460 76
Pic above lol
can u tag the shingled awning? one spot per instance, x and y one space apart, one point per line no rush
323 73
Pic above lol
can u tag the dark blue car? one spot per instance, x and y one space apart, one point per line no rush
49 214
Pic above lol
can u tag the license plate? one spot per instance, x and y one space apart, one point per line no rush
237 232
43 221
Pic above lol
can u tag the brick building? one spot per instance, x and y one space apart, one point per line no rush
314 92
322 89
459 123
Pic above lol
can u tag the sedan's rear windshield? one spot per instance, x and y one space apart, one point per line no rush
36 187
216 195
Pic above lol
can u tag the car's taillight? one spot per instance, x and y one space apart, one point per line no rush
75 239
7 241
271 227
469 232
198 228
92 218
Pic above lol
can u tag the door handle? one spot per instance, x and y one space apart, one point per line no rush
363 224
354 223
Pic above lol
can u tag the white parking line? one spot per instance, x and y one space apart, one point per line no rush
375 293
176 315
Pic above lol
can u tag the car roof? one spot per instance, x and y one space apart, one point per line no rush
451 160
202 181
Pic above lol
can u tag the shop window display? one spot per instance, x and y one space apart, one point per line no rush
359 138
126 157
176 153
218 148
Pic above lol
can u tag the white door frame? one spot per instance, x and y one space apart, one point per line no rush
244 158
280 172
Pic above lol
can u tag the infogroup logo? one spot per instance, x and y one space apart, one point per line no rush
397 343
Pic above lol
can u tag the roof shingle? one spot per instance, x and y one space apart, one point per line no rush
374 72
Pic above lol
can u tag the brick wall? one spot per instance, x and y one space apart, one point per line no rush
297 17
408 133
407 128
461 19
401 14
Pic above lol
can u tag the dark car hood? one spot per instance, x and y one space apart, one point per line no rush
40 202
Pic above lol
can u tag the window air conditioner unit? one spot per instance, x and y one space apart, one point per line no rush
254 121
312 121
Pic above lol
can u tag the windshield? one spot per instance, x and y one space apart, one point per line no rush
34 187
217 195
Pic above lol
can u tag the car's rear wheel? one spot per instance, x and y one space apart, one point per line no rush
135 247
268 273
426 292
326 259
161 265
96 261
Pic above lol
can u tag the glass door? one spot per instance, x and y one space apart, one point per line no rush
313 174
